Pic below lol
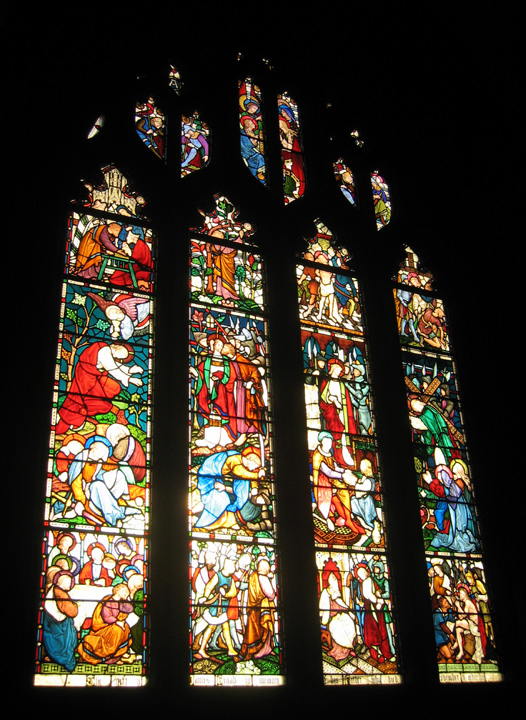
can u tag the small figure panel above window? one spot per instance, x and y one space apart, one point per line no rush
345 179
251 129
382 200
150 124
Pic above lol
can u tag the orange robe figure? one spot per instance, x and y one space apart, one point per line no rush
110 636
257 641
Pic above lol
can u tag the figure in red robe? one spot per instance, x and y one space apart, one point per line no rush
214 391
100 372
338 412
136 248
375 635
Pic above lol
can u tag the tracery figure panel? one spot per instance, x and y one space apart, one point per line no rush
93 620
251 129
382 200
195 144
150 124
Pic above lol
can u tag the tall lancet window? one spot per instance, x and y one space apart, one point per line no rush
234 628
93 618
355 601
464 632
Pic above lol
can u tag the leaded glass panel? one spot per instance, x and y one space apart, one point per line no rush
235 636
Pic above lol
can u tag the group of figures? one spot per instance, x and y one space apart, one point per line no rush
93 602
230 456
445 488
357 626
229 275
100 442
233 589
447 509
421 318
150 124
96 517
357 630
234 618
346 501
461 616
459 597
116 251
327 296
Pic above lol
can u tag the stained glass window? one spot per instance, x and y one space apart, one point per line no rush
291 149
355 600
150 124
251 129
464 632
95 604
93 619
235 634
382 200
345 180
195 149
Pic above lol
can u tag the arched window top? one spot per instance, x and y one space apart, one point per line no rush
114 194
382 200
222 222
427 326
410 272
